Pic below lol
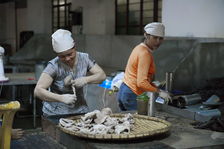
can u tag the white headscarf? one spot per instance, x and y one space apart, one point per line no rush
155 28
62 40
2 50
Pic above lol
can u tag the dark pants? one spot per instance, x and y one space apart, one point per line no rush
126 98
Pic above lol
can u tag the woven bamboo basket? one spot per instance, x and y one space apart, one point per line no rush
144 126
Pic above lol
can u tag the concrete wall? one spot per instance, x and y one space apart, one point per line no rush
39 16
98 16
7 24
38 48
2 20
170 54
111 51
203 62
36 17
22 23
190 18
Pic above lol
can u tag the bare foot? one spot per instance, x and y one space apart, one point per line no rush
17 133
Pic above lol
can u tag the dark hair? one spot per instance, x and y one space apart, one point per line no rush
143 39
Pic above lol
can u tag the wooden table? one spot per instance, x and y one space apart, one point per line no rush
16 79
21 79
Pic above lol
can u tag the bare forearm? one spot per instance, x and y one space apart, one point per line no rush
46 95
96 78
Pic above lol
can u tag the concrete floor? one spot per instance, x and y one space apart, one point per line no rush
34 138
184 135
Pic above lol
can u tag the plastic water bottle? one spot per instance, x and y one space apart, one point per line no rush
160 100
106 84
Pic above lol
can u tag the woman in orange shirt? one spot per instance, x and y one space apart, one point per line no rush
140 69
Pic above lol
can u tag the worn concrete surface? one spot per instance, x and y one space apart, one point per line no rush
183 135
35 139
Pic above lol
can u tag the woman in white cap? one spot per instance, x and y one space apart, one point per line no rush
140 69
69 67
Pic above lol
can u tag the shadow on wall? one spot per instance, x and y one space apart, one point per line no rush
170 54
38 48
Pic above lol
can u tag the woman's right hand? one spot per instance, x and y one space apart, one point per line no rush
165 95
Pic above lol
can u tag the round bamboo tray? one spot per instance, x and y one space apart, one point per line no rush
144 126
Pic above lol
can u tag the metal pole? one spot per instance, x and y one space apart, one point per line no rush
151 111
34 112
169 81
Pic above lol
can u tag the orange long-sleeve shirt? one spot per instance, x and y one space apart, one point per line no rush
140 70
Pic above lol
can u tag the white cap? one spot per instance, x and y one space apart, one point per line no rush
62 40
155 28
2 50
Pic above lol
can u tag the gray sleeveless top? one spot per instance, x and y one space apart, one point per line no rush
58 71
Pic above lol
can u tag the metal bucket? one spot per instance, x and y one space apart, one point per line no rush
142 104
142 107
151 103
